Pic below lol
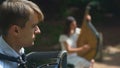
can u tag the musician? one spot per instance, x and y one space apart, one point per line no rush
68 41
19 25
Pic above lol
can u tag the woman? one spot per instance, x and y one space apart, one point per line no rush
68 42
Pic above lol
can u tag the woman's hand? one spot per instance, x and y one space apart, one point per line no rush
85 48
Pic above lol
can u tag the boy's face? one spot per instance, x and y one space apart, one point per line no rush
27 34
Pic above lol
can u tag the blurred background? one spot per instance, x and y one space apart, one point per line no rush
105 17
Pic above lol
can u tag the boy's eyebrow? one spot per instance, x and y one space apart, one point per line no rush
34 24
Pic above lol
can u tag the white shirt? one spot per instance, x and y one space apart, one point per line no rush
7 50
70 40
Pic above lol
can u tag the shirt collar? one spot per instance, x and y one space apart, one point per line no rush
8 50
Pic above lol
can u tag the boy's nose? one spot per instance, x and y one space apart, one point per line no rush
37 30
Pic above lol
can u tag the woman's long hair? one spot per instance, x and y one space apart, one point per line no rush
67 24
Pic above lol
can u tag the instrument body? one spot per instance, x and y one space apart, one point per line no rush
88 35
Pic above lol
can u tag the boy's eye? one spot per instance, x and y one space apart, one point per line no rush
34 26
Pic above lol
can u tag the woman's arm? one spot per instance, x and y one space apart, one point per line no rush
82 49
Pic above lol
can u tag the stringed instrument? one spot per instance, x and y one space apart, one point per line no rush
88 35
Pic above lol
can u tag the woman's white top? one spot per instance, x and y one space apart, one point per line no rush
71 40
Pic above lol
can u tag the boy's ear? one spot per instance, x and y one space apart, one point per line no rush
14 29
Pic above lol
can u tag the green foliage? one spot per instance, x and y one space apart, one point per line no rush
50 32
